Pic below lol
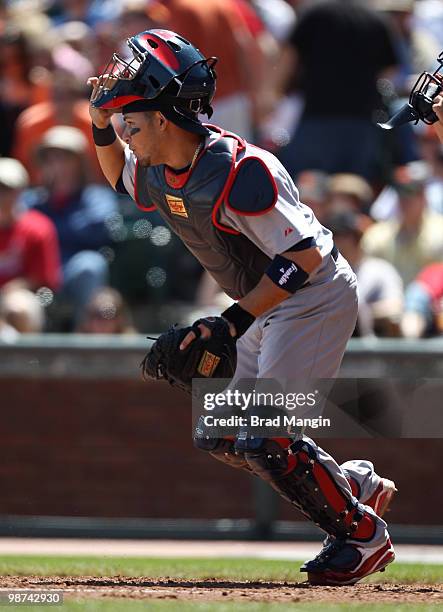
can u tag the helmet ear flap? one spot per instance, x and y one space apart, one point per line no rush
198 82
201 106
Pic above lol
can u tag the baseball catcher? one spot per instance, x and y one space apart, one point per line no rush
238 211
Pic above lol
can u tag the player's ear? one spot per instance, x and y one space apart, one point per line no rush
162 122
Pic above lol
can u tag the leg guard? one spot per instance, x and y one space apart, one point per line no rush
311 480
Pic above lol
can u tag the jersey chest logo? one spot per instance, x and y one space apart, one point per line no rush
176 206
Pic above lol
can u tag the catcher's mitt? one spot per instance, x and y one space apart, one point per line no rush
213 357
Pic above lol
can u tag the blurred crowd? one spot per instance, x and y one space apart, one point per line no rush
306 79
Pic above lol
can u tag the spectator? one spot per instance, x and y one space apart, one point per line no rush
277 15
428 17
17 89
350 192
67 106
80 211
106 313
416 48
21 310
386 205
313 190
415 239
17 62
81 38
36 27
91 12
218 27
138 15
424 304
29 252
431 151
7 333
335 54
379 284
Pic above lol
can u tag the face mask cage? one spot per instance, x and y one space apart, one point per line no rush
426 88
138 55
117 69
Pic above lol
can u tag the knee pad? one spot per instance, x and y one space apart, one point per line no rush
221 449
297 474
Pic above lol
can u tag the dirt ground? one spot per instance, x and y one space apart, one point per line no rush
218 590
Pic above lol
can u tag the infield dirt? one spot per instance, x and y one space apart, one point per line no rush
143 588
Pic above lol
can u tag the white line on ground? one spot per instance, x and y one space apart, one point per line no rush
187 549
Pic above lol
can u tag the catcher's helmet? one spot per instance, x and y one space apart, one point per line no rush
165 69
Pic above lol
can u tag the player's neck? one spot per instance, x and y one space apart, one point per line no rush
184 152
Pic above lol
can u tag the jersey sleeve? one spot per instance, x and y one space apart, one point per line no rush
128 175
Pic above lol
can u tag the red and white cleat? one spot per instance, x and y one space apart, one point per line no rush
381 499
341 562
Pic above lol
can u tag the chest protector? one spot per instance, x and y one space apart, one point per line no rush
224 174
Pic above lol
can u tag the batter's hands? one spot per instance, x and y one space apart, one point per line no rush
205 334
101 117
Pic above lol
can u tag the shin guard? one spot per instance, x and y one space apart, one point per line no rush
299 472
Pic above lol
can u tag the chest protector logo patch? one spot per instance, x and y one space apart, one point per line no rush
207 364
176 206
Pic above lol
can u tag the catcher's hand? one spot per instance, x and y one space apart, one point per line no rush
100 117
212 355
